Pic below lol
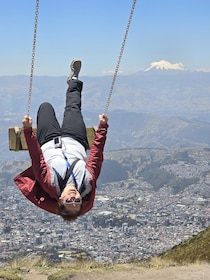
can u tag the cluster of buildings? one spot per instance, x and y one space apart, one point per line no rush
129 221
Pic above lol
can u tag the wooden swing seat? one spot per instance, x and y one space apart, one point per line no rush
17 140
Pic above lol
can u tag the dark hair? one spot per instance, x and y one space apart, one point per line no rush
65 214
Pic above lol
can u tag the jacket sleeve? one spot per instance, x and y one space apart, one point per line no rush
39 166
33 191
95 158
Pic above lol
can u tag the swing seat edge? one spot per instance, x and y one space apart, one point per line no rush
17 140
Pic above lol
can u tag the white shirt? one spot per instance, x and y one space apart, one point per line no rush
56 160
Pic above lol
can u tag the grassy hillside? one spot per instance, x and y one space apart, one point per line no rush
195 249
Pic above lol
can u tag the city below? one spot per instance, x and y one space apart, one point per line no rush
129 220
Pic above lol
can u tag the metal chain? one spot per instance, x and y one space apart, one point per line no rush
116 69
33 56
120 57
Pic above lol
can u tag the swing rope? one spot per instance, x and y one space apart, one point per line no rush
33 56
120 57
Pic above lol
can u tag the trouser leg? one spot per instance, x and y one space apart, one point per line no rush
47 124
73 123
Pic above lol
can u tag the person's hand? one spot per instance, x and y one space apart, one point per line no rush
103 118
27 122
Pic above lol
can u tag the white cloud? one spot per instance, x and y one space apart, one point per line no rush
203 70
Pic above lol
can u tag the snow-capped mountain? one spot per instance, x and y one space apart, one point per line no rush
165 65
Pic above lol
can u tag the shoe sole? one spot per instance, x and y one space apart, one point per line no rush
75 61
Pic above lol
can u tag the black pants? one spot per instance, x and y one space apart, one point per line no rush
73 124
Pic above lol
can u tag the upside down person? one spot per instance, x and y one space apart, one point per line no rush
50 183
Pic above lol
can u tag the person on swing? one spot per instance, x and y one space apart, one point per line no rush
62 178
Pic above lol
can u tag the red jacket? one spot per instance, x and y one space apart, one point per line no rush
35 182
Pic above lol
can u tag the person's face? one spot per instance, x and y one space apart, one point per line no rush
71 198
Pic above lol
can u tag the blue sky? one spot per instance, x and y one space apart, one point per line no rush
173 30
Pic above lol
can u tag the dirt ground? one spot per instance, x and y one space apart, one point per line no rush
190 272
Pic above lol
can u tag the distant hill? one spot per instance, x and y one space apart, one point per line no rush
152 109
195 249
178 168
130 130
161 92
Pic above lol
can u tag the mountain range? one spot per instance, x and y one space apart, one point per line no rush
163 106
165 65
